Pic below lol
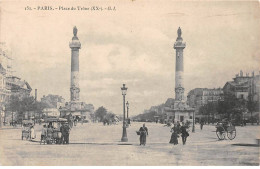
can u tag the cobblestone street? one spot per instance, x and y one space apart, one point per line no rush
95 144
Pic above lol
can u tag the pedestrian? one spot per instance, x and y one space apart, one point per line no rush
66 134
184 133
44 134
201 124
174 136
143 132
178 127
32 136
62 130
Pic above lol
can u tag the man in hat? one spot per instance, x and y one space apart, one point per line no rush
62 130
143 132
65 133
44 133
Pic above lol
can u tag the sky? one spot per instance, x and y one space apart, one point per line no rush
131 45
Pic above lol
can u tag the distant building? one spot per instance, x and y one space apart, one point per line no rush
239 87
201 96
244 87
5 66
10 85
18 87
254 90
52 104
53 101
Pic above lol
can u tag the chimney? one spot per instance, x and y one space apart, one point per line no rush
241 73
35 95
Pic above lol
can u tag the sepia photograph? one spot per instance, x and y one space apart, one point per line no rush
129 83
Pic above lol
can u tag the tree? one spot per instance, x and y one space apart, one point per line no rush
22 105
100 113
251 106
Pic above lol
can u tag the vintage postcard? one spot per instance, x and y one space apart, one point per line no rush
129 83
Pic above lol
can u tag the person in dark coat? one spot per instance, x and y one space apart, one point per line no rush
174 136
178 127
62 130
65 131
143 132
201 124
184 133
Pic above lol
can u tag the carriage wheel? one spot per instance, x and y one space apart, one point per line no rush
231 132
221 133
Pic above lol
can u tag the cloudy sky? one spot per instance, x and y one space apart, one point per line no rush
132 45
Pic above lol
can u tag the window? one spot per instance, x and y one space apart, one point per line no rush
190 117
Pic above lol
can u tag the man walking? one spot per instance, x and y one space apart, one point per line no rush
44 134
66 134
143 132
184 133
62 130
201 124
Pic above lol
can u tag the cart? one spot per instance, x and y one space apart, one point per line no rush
54 135
26 130
224 129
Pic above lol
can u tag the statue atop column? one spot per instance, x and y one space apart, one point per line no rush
179 32
179 38
75 31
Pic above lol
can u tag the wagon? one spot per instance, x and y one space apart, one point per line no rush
26 133
224 129
53 132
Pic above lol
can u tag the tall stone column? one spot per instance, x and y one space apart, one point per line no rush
179 87
74 85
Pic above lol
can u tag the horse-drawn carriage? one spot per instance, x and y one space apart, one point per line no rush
225 128
53 133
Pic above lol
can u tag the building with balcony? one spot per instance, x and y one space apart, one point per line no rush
201 96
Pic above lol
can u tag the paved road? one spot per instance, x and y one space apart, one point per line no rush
95 144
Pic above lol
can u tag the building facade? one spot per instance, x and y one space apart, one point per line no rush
18 87
254 90
201 96
239 87
10 85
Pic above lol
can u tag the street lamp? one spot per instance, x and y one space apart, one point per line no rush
124 136
193 125
127 106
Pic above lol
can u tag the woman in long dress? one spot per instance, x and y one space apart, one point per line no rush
32 133
174 136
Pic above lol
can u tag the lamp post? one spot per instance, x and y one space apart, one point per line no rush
1 117
193 124
127 108
124 135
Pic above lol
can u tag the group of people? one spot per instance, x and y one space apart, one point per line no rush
178 129
47 131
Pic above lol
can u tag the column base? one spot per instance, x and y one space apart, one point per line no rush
124 139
